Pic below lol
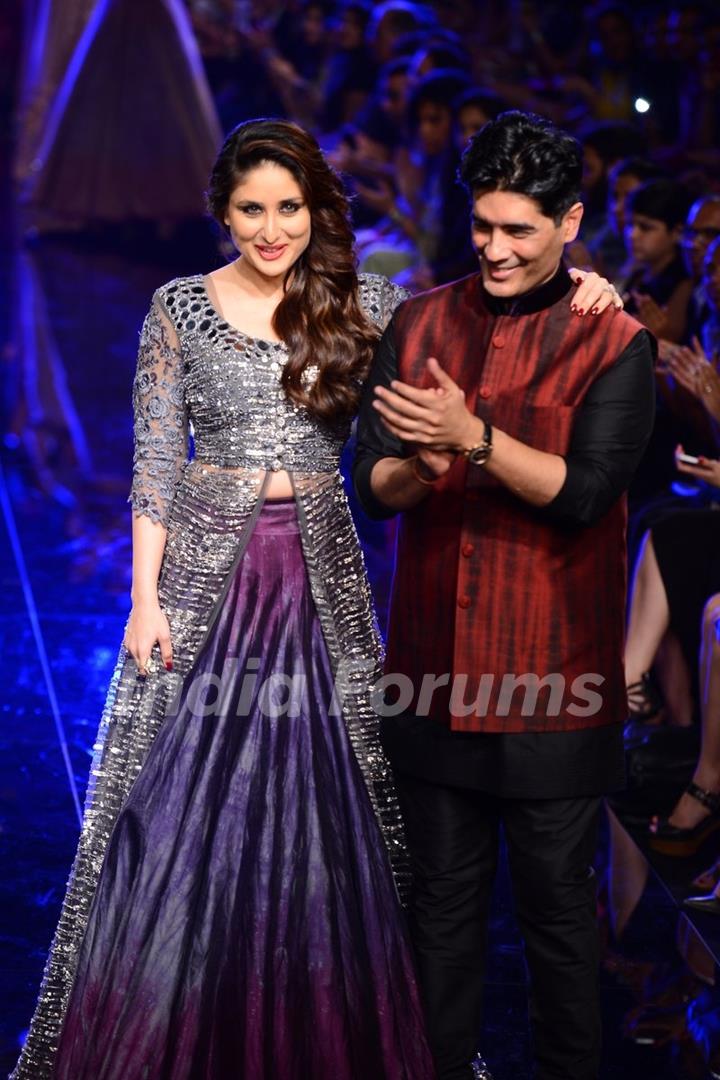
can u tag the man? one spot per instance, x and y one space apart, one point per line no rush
701 230
506 430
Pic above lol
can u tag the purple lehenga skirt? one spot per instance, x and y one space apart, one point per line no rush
246 924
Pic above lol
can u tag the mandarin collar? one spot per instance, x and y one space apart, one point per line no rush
531 302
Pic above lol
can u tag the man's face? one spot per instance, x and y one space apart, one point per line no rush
518 246
650 242
702 228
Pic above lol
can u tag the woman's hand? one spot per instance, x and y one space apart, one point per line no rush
651 315
706 468
695 373
594 293
146 625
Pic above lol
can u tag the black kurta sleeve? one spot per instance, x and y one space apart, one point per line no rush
374 441
610 435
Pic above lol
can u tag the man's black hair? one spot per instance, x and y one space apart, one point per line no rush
639 167
528 155
663 200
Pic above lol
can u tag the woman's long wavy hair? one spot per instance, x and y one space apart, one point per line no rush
319 318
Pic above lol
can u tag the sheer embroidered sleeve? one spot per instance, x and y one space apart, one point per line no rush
160 417
380 297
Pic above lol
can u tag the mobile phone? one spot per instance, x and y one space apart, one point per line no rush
687 459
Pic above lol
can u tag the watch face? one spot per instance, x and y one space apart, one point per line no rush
479 455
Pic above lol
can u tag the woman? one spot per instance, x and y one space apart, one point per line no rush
233 907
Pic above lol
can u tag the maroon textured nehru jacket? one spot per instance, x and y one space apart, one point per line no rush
525 614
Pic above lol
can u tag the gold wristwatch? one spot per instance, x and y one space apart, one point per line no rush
478 455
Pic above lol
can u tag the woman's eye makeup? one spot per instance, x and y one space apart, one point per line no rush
255 208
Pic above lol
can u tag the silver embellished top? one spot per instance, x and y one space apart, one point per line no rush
198 373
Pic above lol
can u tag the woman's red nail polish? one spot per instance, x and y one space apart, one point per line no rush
594 311
168 665
573 308
581 311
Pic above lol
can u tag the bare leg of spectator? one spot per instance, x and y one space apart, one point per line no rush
648 622
627 875
673 676
689 812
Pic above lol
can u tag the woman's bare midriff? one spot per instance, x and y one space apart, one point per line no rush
279 486
278 483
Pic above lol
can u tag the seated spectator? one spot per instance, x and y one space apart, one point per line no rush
384 119
417 243
301 36
368 148
658 292
607 248
675 592
294 55
351 71
391 20
709 329
436 53
696 368
701 230
604 145
659 289
696 815
679 562
619 69
699 92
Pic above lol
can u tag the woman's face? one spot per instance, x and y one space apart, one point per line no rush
269 220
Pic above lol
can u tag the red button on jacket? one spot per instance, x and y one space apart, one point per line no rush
464 602
498 341
467 550
484 391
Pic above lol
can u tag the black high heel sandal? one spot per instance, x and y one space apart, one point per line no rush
670 839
